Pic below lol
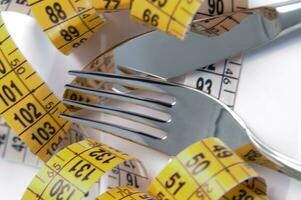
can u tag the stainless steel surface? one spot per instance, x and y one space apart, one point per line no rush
171 126
154 52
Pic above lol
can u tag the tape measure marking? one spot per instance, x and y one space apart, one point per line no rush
219 80
14 149
219 7
205 22
207 169
112 5
15 5
124 193
249 153
68 24
80 164
29 106
167 16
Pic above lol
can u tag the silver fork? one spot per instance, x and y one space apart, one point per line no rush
163 115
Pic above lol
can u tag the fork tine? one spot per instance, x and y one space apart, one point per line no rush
148 115
136 81
135 72
145 101
115 127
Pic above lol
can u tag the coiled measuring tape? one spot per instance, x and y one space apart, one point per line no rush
207 169
28 105
67 23
30 144
31 95
109 5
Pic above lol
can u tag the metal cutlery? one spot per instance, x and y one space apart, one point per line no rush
163 115
168 57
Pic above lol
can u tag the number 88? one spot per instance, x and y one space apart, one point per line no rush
60 13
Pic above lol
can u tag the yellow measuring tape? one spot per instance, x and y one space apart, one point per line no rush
112 5
68 24
173 17
71 172
125 192
232 14
27 104
206 170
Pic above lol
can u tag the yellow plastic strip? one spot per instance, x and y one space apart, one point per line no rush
68 23
28 106
207 169
231 14
170 16
125 193
250 154
72 172
112 5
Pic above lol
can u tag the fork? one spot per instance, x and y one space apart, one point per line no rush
163 116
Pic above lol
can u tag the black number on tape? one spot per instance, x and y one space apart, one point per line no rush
124 192
202 82
57 166
226 81
129 164
8 93
145 196
54 146
222 152
2 68
161 196
109 2
82 169
43 133
149 18
229 71
70 34
55 13
243 195
77 44
2 139
198 164
59 189
200 194
102 155
132 180
216 7
172 182
18 144
160 3
27 115
14 62
20 70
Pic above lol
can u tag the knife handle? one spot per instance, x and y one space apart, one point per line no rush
289 14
